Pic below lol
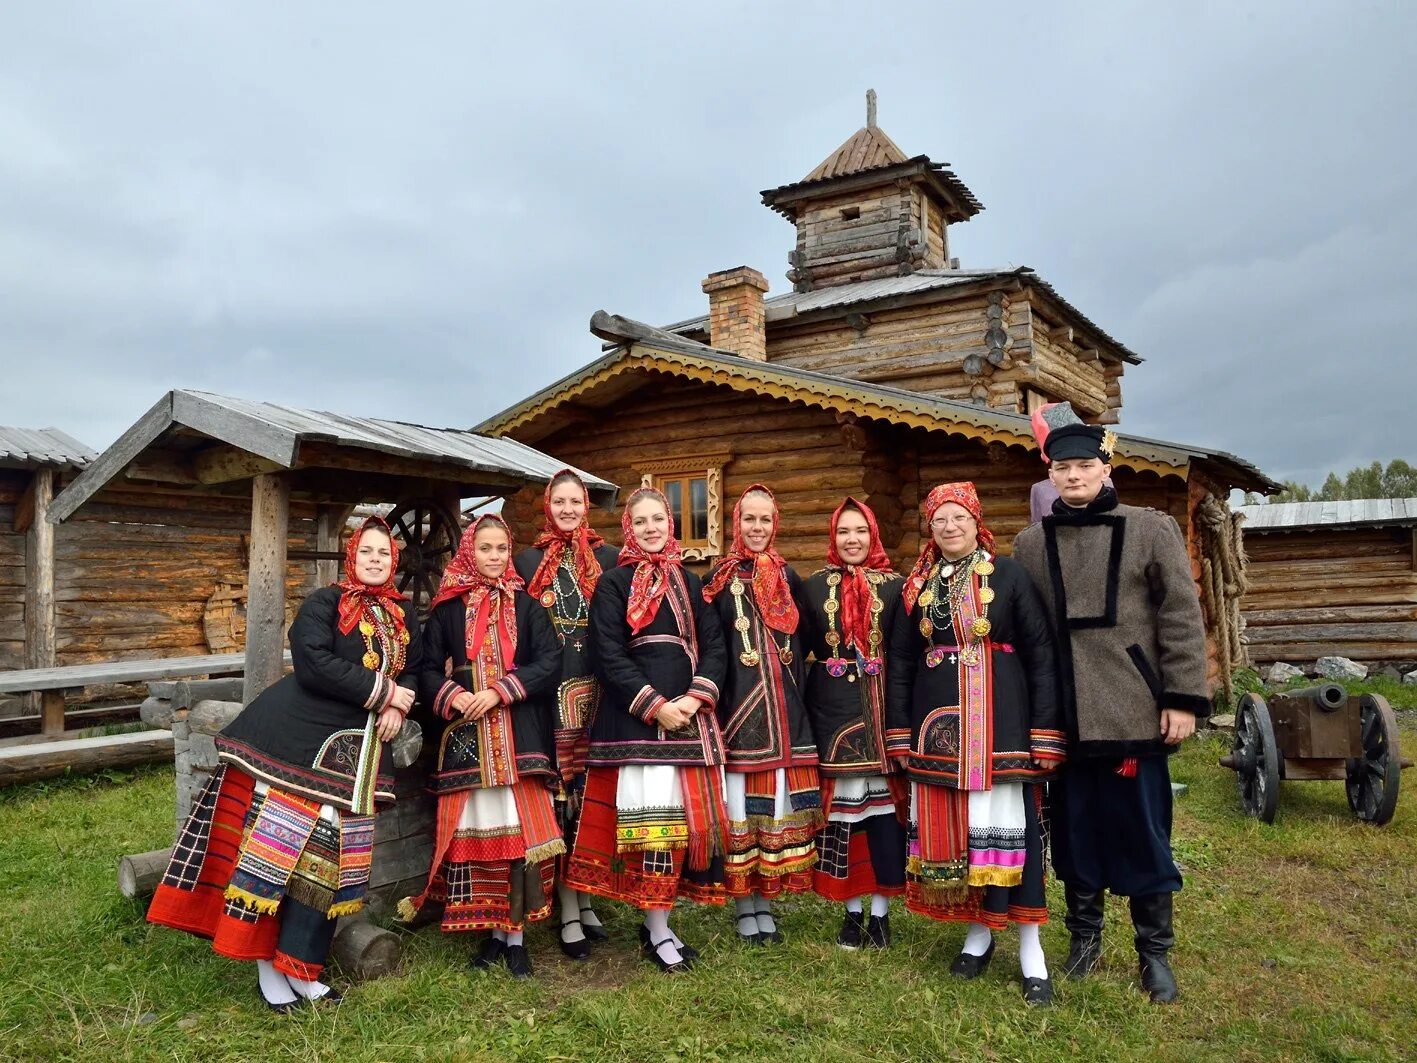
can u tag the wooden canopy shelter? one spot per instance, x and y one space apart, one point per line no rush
265 458
1332 578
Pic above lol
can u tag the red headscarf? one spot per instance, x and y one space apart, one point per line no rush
356 597
651 579
770 590
582 543
485 597
855 587
961 493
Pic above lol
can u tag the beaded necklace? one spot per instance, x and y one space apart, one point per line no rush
385 646
948 584
871 663
570 612
750 657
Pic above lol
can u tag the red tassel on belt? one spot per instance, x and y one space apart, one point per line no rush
1128 768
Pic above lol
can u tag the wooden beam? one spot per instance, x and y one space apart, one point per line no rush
316 456
51 712
158 467
24 510
265 583
1061 333
225 464
39 593
1089 354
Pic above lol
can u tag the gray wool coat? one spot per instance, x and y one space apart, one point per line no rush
1117 583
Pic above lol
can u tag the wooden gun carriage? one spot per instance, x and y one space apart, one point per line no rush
1321 733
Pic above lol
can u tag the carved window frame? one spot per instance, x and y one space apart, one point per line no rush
710 468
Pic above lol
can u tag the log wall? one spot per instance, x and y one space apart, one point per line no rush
1350 592
134 568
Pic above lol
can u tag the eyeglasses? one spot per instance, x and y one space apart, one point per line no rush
945 522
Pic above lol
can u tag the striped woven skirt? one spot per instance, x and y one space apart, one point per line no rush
773 819
632 843
264 873
861 850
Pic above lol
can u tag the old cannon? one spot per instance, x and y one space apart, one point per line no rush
1318 732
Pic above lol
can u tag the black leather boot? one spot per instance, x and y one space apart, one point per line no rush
1084 923
1151 918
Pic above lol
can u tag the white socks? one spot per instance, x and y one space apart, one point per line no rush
1030 952
747 917
854 906
274 987
977 941
657 923
513 937
880 905
571 932
308 990
500 935
763 910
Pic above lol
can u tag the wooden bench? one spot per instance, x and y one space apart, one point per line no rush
52 684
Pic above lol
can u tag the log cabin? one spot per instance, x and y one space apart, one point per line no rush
1332 578
886 369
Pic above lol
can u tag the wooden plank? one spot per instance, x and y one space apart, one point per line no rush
51 712
225 464
265 583
82 675
243 431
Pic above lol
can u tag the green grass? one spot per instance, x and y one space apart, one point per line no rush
1296 942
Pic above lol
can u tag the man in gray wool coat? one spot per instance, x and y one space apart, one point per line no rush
1132 666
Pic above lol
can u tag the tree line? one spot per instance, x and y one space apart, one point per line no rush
1398 480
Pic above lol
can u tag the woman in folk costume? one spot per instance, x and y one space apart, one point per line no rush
861 850
279 842
561 571
773 789
497 837
653 825
972 713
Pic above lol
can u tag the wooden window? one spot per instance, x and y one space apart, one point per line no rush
693 486
688 502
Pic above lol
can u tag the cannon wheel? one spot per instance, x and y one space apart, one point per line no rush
1373 777
1255 758
429 532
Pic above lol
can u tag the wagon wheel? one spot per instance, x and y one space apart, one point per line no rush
429 532
1255 758
1373 777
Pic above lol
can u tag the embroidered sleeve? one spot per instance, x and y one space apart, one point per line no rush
1048 746
443 702
646 704
705 689
509 688
381 694
898 741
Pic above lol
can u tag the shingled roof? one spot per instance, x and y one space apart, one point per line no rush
32 448
867 149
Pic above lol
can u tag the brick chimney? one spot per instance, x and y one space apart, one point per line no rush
737 318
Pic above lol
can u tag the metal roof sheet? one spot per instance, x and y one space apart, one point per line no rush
33 447
1355 512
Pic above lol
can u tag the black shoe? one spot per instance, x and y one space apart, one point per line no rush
492 953
333 996
576 950
1038 992
770 937
754 938
852 927
967 966
689 953
1151 919
651 952
1084 923
878 932
593 931
517 960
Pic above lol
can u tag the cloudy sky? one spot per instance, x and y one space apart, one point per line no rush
412 210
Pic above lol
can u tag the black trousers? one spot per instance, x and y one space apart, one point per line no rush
1114 833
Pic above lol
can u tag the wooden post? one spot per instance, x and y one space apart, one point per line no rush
39 597
328 526
265 583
